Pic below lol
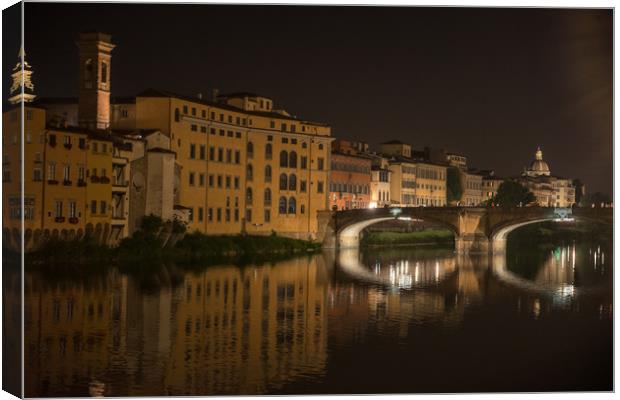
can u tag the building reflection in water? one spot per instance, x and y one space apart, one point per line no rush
257 329
224 330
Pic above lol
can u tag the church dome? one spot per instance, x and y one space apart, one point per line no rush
538 166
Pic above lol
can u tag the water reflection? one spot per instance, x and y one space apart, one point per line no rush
296 325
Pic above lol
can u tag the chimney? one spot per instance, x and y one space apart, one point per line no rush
216 93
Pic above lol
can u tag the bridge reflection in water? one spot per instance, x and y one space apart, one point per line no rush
274 328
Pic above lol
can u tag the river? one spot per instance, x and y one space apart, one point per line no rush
411 319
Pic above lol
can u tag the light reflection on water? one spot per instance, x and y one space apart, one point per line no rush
352 322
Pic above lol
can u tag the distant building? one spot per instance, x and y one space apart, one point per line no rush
457 160
380 182
471 183
490 184
415 181
350 177
549 190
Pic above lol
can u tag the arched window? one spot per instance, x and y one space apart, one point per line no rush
268 151
321 146
267 173
104 72
88 72
282 205
283 182
248 195
292 160
250 149
267 197
292 205
283 159
292 182
304 145
249 172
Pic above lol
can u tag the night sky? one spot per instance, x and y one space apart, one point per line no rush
490 83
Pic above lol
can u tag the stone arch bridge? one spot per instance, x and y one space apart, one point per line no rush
476 229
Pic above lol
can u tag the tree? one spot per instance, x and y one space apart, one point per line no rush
454 189
594 199
512 193
578 185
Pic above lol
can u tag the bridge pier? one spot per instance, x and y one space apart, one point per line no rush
471 243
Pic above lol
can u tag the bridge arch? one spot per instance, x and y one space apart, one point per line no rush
499 236
349 235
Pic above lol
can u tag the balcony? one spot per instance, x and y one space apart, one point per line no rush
81 183
104 179
68 146
95 179
52 182
73 220
66 182
59 219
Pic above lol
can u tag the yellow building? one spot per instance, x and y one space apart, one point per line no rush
252 169
415 181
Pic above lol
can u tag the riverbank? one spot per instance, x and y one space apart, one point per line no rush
420 238
195 249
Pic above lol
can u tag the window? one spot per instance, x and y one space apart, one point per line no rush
72 209
283 127
201 179
194 128
228 155
104 207
292 160
304 145
95 147
292 182
304 162
58 209
283 182
203 150
237 157
219 215
227 181
282 205
93 207
321 146
192 151
104 72
292 205
284 140
267 173
210 214
267 215
248 195
321 162
268 151
193 110
283 159
177 117
52 140
293 129
203 129
302 186
204 113
51 171
219 181
250 149
220 154
302 209
37 175
267 197
82 143
249 173
248 215
211 153
272 124
319 187
66 172
191 178
236 182
200 214
211 179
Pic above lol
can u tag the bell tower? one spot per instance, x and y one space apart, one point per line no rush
22 88
95 56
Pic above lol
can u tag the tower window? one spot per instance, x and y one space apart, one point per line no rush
104 72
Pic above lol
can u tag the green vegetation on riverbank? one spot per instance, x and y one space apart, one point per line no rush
554 233
195 249
426 237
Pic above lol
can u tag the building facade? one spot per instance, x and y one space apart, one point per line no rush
549 190
350 177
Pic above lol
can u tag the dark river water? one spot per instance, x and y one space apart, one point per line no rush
415 319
